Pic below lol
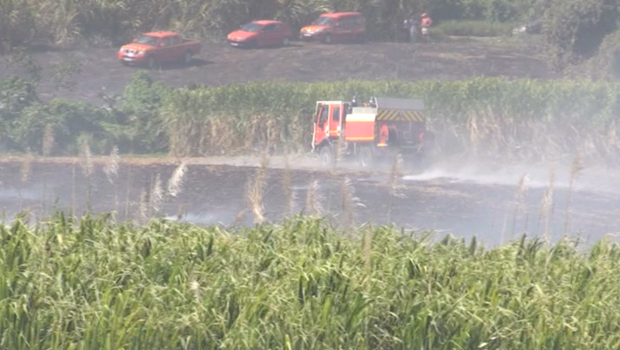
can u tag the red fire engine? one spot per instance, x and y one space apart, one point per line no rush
372 131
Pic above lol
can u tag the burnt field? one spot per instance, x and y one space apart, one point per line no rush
476 202
87 73
463 204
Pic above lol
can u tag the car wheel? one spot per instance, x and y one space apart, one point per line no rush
327 39
151 63
187 57
286 41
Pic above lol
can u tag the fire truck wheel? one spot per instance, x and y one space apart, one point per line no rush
365 157
326 156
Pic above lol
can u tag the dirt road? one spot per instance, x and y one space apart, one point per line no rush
455 58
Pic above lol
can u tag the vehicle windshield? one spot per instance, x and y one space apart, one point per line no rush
146 40
251 27
323 21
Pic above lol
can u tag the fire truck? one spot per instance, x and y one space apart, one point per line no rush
370 132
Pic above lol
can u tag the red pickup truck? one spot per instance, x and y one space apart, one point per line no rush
155 48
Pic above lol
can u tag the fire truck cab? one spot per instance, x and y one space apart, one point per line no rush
370 131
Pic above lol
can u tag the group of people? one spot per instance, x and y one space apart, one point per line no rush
420 25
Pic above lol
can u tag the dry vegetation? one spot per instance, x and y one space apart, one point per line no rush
487 118
494 119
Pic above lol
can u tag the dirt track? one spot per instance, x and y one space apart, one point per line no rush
218 64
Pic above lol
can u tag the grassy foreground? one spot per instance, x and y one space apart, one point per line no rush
95 284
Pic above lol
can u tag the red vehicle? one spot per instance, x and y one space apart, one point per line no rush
261 34
155 48
331 27
376 130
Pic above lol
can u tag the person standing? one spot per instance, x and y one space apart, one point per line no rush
411 25
425 23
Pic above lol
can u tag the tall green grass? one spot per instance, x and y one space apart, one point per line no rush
89 283
491 118
495 117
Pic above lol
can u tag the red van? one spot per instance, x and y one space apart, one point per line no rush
332 27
